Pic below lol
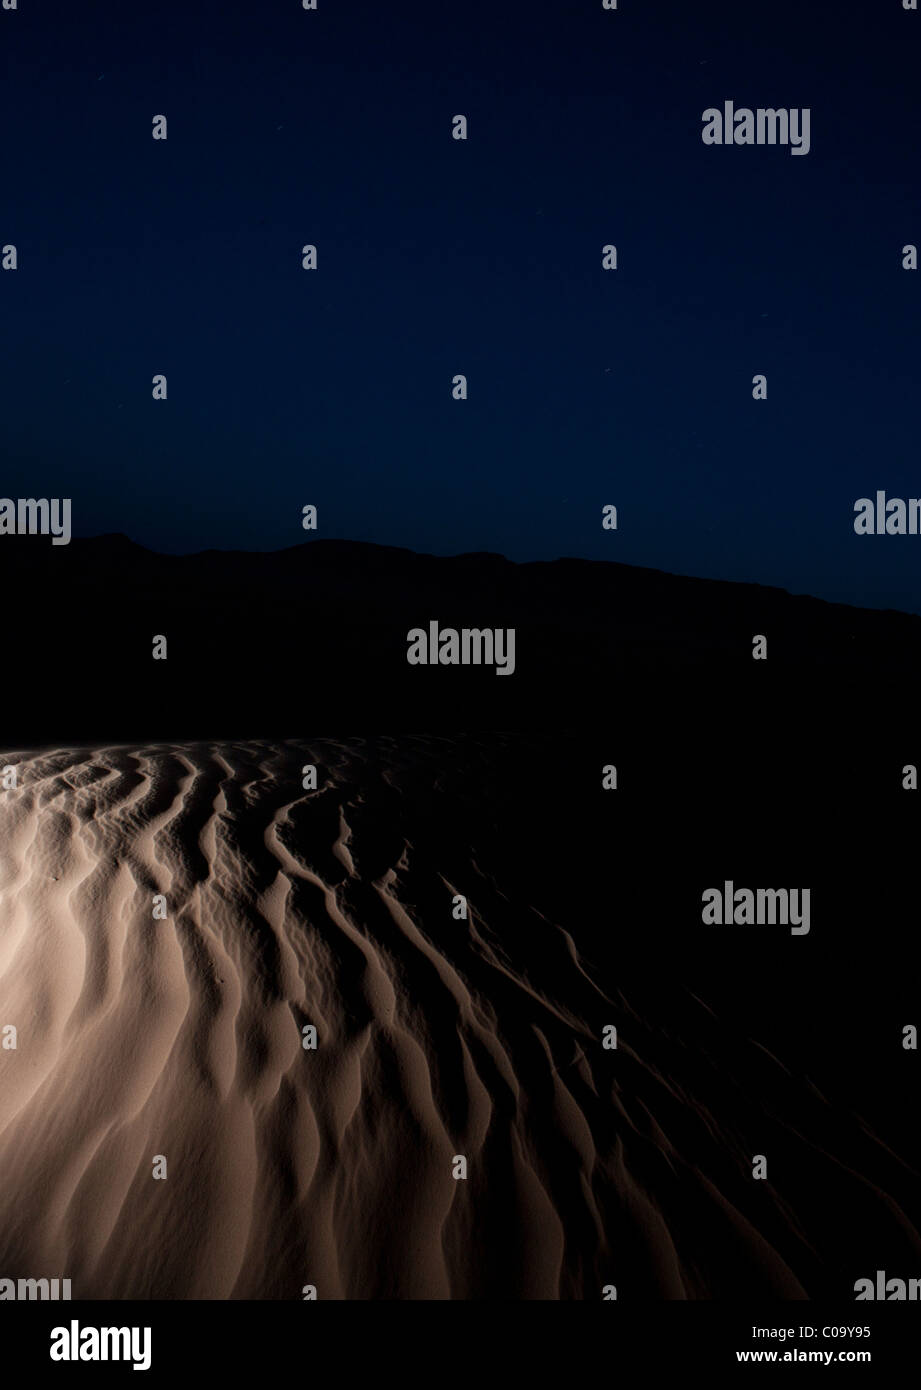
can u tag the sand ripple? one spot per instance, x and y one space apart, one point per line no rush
437 1037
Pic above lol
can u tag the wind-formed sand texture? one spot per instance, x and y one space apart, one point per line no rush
438 1036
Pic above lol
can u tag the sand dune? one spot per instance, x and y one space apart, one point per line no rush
437 1037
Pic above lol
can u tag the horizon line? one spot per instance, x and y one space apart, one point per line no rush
482 554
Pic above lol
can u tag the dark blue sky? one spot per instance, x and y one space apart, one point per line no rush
483 257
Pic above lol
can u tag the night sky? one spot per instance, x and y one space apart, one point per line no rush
482 257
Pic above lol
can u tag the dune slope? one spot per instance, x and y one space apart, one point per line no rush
143 1038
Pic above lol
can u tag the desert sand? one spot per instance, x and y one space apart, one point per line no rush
141 1039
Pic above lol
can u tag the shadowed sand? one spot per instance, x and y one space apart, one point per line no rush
436 1037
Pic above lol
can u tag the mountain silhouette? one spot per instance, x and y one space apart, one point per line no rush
266 642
